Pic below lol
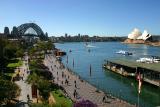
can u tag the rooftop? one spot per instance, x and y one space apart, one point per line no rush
151 66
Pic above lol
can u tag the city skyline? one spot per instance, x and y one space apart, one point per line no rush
98 17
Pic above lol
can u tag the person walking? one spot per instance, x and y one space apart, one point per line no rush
75 93
104 99
75 86
66 81
74 81
28 97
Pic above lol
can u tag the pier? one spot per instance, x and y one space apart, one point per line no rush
150 72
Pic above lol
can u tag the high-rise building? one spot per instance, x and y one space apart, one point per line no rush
66 35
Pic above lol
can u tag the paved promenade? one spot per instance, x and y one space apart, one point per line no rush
78 89
25 88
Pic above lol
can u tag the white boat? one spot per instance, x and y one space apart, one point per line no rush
124 52
148 60
89 45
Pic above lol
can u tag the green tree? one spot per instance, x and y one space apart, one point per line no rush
10 50
8 91
2 46
44 88
42 84
20 53
33 79
50 45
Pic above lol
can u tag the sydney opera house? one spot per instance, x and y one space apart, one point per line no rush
137 35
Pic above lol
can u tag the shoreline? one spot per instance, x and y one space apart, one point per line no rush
91 90
150 44
131 41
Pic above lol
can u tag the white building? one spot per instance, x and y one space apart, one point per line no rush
137 35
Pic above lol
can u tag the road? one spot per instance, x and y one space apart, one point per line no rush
25 87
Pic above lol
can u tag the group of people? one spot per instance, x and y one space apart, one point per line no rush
66 81
65 77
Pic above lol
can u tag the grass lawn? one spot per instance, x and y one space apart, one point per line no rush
12 64
15 63
61 100
9 74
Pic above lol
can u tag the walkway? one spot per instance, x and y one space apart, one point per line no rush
25 88
84 89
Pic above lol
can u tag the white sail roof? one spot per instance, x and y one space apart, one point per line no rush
144 36
136 34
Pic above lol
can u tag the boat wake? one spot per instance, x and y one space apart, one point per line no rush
90 46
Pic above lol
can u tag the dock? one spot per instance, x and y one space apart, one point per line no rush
150 73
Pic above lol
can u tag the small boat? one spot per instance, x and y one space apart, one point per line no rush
148 60
124 52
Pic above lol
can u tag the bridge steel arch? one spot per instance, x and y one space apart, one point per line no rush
23 28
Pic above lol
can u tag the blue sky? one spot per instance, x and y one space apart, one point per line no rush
92 17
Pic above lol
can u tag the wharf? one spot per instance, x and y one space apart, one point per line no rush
151 66
150 73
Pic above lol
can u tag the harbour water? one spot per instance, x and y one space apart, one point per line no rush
82 56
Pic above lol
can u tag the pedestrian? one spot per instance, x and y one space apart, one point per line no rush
104 99
66 81
75 93
28 97
75 86
74 81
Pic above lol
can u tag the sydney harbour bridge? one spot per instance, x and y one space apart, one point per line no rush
29 30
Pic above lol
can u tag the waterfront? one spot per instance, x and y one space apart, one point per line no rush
119 86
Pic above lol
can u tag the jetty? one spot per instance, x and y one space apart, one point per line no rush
150 73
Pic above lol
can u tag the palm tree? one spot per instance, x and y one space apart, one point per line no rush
33 79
